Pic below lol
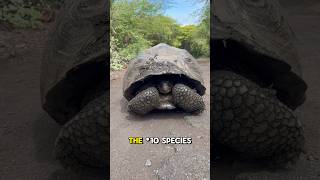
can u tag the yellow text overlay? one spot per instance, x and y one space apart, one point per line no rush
135 140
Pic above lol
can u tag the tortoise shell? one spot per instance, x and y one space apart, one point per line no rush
161 61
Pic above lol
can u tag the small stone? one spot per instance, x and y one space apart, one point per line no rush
178 149
156 171
148 163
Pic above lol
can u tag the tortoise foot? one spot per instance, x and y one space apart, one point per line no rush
188 99
145 101
82 142
252 121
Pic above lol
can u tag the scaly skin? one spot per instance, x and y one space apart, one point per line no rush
183 97
82 142
187 99
251 120
145 101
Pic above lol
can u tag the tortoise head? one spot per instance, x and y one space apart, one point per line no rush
165 87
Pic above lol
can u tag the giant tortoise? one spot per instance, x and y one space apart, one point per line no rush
164 77
74 83
256 82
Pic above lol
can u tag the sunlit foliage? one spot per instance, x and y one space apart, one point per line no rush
139 24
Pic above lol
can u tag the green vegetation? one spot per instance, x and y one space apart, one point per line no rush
139 24
135 25
25 13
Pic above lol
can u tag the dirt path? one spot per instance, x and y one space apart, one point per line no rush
27 134
25 145
167 161
304 17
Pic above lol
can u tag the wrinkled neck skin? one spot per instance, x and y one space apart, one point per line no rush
165 89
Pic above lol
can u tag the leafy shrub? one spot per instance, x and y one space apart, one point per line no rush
19 14
139 24
121 56
25 13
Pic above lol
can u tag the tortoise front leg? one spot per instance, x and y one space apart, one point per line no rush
82 142
145 101
251 120
187 99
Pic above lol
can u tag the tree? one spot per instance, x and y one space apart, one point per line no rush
140 24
